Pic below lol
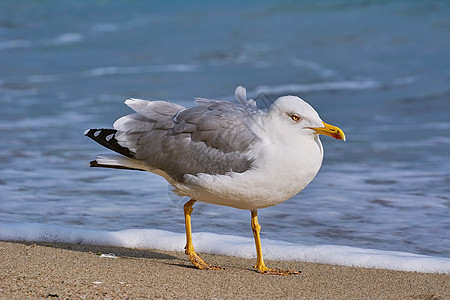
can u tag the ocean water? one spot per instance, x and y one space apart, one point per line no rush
378 70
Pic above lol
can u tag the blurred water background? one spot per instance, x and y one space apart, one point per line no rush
380 70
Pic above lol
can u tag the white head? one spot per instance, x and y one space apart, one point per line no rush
298 115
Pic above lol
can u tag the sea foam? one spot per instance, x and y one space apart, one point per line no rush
227 245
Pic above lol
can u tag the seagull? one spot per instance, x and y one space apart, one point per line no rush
222 153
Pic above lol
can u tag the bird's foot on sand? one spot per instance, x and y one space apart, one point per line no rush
200 263
276 271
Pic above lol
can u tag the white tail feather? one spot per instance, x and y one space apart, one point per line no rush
119 161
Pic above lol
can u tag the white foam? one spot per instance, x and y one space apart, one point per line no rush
68 38
227 245
315 67
44 78
105 27
109 255
13 44
320 86
112 70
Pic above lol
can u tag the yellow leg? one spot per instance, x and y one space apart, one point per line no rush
260 266
256 228
193 257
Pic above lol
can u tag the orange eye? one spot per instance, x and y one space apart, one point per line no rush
295 118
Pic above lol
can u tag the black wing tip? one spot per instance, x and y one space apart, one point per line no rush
106 138
95 164
88 132
96 133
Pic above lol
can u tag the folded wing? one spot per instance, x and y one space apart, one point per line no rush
212 138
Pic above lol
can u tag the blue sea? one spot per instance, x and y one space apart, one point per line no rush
380 70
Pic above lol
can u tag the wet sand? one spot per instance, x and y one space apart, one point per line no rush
71 271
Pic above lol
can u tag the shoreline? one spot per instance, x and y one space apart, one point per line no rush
72 271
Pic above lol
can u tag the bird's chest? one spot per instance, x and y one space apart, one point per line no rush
289 168
276 175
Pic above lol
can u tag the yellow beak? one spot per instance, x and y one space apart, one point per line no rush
330 130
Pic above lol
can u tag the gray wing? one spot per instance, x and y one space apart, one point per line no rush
212 138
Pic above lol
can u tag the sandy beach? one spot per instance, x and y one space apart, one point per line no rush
72 271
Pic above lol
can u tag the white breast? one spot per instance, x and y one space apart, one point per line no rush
281 170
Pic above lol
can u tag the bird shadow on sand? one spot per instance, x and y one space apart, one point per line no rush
99 249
